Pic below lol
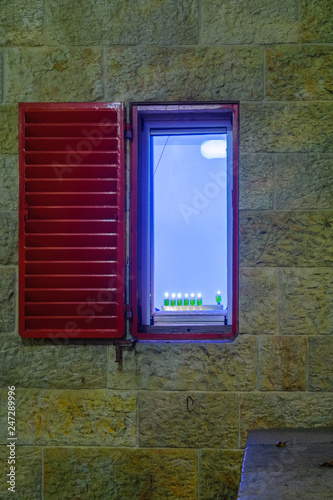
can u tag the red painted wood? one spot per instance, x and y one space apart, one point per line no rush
71 227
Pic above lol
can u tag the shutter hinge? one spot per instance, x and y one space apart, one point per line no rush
119 344
128 131
128 312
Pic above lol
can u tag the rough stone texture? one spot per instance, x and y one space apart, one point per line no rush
219 474
165 22
316 21
200 73
249 21
8 237
79 417
320 364
295 72
274 410
28 471
21 22
120 474
256 182
57 74
1 74
8 129
286 238
7 299
306 301
282 364
286 127
8 182
258 300
304 181
211 420
205 367
38 363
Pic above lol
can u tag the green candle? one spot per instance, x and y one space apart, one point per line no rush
179 300
186 301
166 300
199 300
218 297
192 300
173 299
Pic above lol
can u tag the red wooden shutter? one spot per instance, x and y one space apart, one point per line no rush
71 263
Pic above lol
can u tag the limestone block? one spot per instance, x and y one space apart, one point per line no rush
299 72
219 473
316 20
8 237
175 420
282 364
7 299
249 21
76 417
286 127
120 474
278 410
258 300
1 73
256 182
8 182
320 363
199 73
91 22
286 238
22 22
304 181
39 363
8 129
28 472
205 367
53 74
306 301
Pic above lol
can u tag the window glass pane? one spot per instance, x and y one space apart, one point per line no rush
189 215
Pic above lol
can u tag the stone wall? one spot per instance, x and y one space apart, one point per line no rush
90 428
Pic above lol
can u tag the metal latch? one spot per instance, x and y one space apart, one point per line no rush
128 312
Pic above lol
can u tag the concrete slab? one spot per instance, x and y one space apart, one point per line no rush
292 470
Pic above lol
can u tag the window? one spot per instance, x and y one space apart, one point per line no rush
182 239
184 222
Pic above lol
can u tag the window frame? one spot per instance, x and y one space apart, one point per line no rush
179 332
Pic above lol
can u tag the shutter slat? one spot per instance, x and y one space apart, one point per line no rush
72 183
71 226
81 145
72 172
69 281
83 254
72 199
71 130
71 267
66 323
71 308
71 240
70 212
60 295
67 159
